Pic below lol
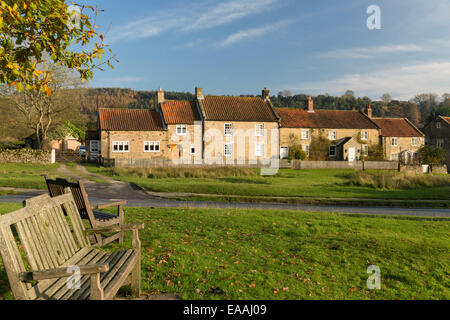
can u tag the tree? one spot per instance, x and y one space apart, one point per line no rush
319 148
39 111
386 98
431 155
427 102
30 28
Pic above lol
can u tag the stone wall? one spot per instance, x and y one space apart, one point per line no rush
26 156
357 165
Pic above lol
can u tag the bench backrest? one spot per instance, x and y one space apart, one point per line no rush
57 187
40 237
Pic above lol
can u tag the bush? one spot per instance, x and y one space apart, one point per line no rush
431 155
397 180
199 172
297 153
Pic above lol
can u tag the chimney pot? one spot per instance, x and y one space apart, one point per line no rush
310 107
199 93
369 110
266 94
161 96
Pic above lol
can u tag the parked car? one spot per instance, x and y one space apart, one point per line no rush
82 151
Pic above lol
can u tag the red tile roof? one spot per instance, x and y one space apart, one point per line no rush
237 109
446 119
326 119
397 127
180 112
129 120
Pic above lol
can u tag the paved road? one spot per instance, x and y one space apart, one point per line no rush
101 193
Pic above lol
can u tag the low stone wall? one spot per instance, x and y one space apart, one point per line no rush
424 169
26 156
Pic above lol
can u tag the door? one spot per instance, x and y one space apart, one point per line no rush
351 154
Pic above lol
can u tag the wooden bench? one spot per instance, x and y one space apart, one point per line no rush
40 248
97 218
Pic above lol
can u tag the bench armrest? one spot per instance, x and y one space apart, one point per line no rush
109 205
117 228
63 272
136 243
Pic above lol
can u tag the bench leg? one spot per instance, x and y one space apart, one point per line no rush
121 223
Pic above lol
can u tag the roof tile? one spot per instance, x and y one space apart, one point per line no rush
326 119
180 112
130 120
397 127
224 108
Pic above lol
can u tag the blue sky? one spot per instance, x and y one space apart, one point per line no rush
241 46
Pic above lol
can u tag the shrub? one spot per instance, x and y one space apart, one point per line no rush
296 152
199 172
431 155
397 180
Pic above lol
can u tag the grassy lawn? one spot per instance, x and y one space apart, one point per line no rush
288 183
254 254
27 176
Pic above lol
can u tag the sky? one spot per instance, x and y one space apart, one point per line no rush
235 47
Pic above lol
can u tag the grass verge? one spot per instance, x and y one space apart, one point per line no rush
255 254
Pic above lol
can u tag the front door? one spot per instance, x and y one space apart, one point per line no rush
284 152
351 154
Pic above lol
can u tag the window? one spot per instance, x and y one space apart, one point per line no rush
333 135
181 130
365 148
284 152
438 125
259 130
305 134
394 142
394 156
228 150
193 151
121 146
414 142
364 135
305 148
440 143
228 130
259 149
332 151
95 146
152 146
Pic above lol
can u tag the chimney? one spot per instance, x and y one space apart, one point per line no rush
161 96
199 94
310 107
266 94
369 110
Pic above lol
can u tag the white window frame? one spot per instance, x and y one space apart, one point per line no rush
228 132
305 134
395 156
396 142
365 149
123 144
332 135
438 125
259 147
193 147
154 144
365 135
229 145
414 142
305 147
259 130
440 143
329 151
180 128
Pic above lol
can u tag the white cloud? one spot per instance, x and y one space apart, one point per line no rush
403 82
253 33
191 18
374 52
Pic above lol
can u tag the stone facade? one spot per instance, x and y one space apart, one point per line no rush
438 135
247 147
402 148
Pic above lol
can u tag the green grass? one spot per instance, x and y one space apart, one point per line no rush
318 183
27 176
254 254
